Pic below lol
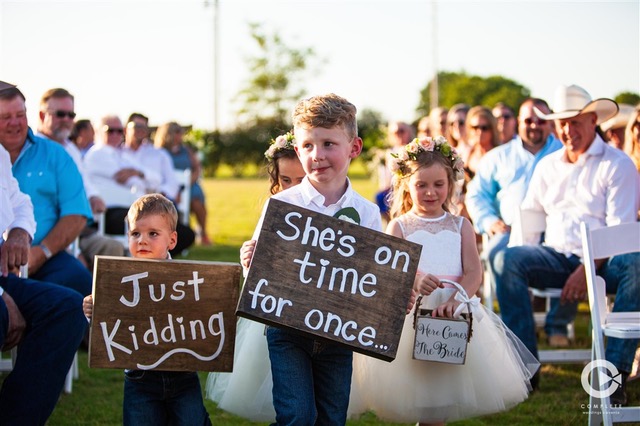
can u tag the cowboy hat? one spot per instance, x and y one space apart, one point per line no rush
619 120
571 101
5 86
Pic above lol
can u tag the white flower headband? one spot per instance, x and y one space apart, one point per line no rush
427 144
281 143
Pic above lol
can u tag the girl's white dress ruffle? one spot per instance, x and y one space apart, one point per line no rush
246 391
496 373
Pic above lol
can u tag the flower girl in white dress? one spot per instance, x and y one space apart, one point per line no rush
497 369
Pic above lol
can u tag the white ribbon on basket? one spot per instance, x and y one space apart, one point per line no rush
471 304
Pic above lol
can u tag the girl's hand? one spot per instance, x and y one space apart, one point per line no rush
246 253
412 301
447 309
87 306
424 284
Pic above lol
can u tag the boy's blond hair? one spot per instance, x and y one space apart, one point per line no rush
326 111
151 204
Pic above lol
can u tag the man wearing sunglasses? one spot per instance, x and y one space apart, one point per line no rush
49 176
56 122
112 172
503 175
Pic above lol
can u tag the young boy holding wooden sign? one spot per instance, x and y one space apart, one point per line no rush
312 377
154 397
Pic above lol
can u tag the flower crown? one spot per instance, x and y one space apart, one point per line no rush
425 144
281 143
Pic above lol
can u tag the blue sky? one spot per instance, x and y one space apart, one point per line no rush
156 57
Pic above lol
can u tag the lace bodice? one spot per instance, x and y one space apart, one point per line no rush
441 241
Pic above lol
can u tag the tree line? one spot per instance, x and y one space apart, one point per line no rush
277 72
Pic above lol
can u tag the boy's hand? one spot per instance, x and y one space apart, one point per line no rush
424 284
87 306
246 253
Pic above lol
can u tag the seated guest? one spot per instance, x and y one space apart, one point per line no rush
457 131
112 172
45 319
505 122
482 136
614 128
82 135
133 169
170 137
399 134
585 181
632 137
438 122
56 123
47 173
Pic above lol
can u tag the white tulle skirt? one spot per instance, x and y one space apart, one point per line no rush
246 392
495 376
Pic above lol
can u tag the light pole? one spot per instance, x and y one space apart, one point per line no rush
434 83
216 73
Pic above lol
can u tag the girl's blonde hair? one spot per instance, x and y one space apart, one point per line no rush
401 201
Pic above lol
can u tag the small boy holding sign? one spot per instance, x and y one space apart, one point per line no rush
153 397
312 377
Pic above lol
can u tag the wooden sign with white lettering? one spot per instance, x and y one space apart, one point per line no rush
170 315
330 278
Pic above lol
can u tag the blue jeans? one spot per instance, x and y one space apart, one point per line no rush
311 379
157 398
622 275
55 327
518 268
67 271
497 243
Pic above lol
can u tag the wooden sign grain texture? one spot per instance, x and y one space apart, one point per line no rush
170 315
331 279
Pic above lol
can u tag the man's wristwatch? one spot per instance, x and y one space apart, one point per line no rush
46 251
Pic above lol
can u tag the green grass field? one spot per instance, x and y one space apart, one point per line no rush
234 206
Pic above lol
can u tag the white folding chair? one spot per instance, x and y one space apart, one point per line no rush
115 196
527 229
184 206
602 243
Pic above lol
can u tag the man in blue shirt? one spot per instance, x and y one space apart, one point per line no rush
49 176
499 186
